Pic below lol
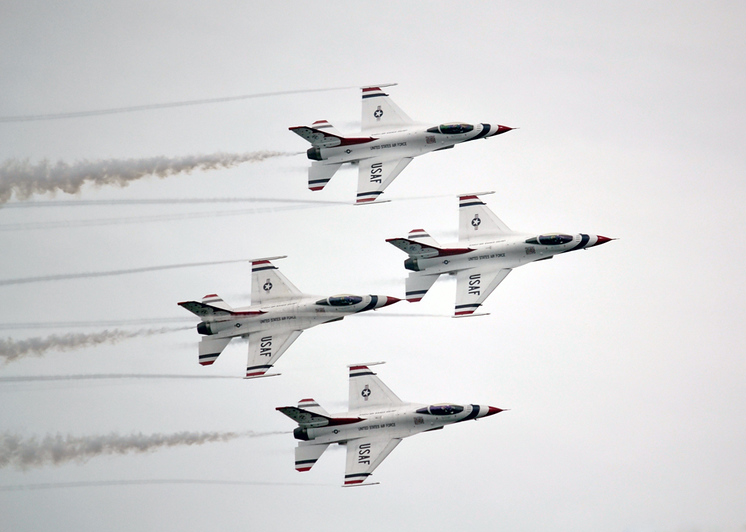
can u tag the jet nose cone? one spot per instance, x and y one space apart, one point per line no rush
493 410
602 240
390 300
503 129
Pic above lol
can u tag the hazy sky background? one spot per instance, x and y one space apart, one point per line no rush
623 367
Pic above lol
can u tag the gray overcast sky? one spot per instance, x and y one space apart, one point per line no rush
623 367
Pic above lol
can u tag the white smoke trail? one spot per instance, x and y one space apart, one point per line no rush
14 326
149 482
25 179
24 453
165 105
165 201
106 376
11 350
86 275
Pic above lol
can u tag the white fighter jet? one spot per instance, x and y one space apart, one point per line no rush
279 312
485 254
377 421
387 143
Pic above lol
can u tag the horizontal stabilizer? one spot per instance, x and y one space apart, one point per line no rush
306 455
304 418
210 311
422 236
312 406
319 174
325 126
324 138
417 285
421 250
210 349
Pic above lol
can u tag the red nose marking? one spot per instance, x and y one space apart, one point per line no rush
391 300
602 240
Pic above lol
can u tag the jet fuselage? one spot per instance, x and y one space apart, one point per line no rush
507 251
403 142
391 422
293 314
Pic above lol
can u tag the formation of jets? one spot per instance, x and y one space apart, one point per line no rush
486 251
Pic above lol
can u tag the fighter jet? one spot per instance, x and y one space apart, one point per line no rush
485 254
377 421
279 312
386 145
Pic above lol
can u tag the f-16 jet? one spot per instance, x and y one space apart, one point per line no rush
388 142
279 312
485 254
375 424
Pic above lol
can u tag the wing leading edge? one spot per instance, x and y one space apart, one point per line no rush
474 285
364 455
265 348
375 174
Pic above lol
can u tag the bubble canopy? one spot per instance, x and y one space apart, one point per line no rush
454 128
441 410
550 239
342 300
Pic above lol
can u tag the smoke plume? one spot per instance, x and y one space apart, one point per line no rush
11 350
24 453
108 376
25 179
86 275
164 105
149 482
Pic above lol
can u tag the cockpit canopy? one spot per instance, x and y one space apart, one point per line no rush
441 410
342 300
454 128
551 239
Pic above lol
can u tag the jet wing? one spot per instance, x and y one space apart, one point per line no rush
477 222
375 174
269 284
380 112
368 391
265 347
364 455
474 285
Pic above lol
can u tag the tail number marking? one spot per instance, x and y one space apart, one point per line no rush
265 348
475 281
376 170
363 453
